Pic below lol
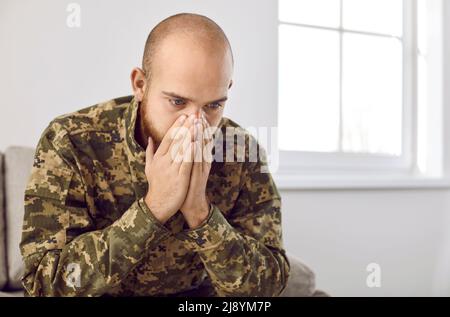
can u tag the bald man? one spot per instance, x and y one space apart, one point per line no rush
135 196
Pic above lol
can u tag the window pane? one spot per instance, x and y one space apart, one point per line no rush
308 89
422 29
372 94
422 114
316 12
380 16
422 86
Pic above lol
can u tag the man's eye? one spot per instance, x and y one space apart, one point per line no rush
177 102
215 105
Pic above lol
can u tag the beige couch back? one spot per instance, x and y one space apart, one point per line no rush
3 276
17 167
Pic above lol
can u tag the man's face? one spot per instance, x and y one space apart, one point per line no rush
186 79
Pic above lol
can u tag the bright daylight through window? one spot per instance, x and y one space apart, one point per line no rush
353 83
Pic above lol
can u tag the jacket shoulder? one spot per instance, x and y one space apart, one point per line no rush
102 117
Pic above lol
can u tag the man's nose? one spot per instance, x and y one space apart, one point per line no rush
198 113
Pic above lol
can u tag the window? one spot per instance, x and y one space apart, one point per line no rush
354 80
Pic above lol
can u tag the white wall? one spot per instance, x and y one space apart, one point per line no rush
339 233
47 69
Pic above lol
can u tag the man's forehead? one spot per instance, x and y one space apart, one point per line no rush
190 82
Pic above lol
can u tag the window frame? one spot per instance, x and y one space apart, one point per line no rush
299 169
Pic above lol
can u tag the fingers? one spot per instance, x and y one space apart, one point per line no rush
185 164
198 142
209 132
197 158
168 138
177 141
208 143
180 151
201 164
180 140
211 129
206 127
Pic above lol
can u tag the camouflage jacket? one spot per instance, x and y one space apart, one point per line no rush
88 232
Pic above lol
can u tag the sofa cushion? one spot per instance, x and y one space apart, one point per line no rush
18 162
3 275
301 282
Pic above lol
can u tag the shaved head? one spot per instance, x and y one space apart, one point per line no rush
198 28
187 69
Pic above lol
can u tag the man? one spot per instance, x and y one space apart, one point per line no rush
120 202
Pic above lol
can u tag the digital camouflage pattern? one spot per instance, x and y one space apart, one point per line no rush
88 232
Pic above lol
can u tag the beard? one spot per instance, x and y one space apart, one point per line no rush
146 124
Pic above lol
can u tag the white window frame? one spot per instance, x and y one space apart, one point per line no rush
356 170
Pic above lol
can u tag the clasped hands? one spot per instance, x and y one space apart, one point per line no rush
177 172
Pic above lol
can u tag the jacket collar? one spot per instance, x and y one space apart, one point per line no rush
135 152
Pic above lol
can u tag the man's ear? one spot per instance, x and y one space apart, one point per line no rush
138 82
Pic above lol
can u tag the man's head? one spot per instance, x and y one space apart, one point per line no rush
187 69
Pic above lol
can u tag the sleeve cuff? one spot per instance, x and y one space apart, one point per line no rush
210 235
144 226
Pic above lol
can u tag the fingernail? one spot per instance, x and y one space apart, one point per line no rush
182 118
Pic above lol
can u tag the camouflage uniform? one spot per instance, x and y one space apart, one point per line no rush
88 232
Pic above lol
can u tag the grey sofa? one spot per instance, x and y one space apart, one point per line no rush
15 165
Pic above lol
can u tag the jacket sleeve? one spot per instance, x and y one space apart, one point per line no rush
63 253
243 253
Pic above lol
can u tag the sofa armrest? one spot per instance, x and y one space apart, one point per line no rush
302 281
3 270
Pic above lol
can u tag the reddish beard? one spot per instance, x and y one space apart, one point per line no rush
146 127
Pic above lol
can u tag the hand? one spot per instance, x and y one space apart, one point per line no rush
168 171
196 206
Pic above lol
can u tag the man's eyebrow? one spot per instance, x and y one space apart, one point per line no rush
174 95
